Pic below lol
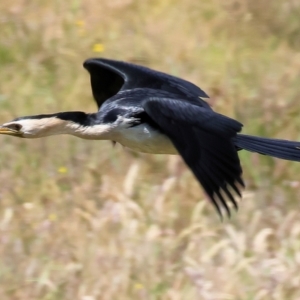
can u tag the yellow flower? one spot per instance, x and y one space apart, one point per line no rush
138 286
52 217
98 47
62 170
80 23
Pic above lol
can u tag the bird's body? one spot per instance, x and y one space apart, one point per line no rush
153 112
132 126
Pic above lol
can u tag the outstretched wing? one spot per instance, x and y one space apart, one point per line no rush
204 140
108 77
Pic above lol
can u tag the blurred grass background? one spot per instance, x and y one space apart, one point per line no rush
81 220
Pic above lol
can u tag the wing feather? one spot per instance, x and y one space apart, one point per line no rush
204 140
109 77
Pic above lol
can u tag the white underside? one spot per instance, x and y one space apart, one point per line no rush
143 138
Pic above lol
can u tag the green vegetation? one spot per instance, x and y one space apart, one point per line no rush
81 220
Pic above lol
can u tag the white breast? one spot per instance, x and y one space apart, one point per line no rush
143 138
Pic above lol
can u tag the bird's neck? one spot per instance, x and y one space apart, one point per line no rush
79 124
82 125
85 126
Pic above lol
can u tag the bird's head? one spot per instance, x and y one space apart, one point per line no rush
37 126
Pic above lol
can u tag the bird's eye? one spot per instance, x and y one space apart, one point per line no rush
16 126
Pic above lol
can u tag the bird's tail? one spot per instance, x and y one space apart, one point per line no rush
283 149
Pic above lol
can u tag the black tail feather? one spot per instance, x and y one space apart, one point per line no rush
283 149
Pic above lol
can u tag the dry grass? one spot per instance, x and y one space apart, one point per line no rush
80 220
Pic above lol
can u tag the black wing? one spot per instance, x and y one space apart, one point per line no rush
204 140
108 77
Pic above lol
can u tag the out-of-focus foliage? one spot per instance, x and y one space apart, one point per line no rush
81 220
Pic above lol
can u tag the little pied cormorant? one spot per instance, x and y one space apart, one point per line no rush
153 112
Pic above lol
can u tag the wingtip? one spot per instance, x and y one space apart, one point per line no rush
88 62
94 61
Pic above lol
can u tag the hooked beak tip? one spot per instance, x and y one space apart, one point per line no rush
9 131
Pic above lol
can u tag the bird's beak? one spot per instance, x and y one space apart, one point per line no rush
9 131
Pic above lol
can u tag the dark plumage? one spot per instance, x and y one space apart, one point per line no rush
207 141
153 112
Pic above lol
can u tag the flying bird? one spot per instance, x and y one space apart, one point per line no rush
153 112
